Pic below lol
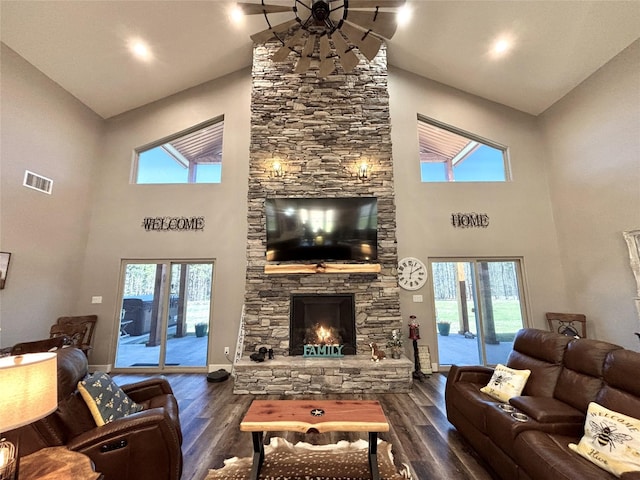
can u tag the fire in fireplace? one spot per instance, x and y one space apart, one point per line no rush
322 325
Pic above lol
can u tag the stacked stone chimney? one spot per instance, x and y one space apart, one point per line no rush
319 130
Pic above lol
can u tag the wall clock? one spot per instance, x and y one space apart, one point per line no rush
412 273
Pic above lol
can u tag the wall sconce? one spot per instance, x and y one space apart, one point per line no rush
277 170
363 171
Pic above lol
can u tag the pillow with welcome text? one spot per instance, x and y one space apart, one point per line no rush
506 383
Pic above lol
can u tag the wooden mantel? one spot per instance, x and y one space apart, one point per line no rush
323 268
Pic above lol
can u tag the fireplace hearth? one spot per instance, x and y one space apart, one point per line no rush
320 320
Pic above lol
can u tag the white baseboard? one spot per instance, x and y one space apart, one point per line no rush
210 368
214 367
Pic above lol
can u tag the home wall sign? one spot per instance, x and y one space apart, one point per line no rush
470 220
166 224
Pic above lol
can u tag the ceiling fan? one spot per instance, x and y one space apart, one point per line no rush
338 25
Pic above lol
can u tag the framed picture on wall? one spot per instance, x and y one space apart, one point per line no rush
4 267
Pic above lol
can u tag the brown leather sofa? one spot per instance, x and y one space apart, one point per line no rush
142 446
566 375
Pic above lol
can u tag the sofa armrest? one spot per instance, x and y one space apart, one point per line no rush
630 476
147 434
129 425
147 389
472 374
548 410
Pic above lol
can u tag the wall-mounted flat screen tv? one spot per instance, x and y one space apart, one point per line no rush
321 229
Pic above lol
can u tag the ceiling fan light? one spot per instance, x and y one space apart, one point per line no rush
320 11
363 29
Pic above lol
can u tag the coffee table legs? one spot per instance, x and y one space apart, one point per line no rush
258 455
373 455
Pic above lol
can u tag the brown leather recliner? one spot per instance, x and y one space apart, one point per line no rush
141 446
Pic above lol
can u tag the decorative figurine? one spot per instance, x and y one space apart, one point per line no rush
376 354
260 355
395 344
414 335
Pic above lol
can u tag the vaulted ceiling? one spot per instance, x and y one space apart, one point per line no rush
82 45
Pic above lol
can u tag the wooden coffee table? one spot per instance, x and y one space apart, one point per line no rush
306 416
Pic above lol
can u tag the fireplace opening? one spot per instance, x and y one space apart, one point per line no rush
322 320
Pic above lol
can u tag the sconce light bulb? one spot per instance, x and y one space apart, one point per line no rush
277 168
363 171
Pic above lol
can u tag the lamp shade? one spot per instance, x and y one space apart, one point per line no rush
28 388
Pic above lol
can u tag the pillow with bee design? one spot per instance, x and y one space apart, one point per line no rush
611 440
506 383
105 399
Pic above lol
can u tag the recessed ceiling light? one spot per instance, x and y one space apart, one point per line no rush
140 50
403 15
501 47
236 15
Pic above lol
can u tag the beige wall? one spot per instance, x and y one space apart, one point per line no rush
593 138
68 247
119 207
521 221
47 131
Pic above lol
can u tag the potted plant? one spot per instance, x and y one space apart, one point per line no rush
443 327
395 344
201 329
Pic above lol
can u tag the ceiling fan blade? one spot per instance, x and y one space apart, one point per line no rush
257 8
307 51
348 59
265 35
325 47
284 51
303 65
305 59
327 66
382 23
366 42
375 3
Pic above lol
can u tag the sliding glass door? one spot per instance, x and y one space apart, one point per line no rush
164 319
479 308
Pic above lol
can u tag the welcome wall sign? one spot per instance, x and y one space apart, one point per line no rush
173 224
469 220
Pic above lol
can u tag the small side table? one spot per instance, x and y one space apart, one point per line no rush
57 463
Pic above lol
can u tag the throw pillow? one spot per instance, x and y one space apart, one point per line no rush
105 399
506 383
611 440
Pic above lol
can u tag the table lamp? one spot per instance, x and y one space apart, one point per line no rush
28 392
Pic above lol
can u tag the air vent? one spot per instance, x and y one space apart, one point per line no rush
37 182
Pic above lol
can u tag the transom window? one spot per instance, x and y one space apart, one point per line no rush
451 155
191 156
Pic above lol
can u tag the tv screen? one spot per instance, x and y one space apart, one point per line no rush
322 228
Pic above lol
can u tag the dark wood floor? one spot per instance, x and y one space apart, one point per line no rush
420 433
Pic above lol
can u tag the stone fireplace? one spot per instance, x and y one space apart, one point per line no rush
319 130
322 320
